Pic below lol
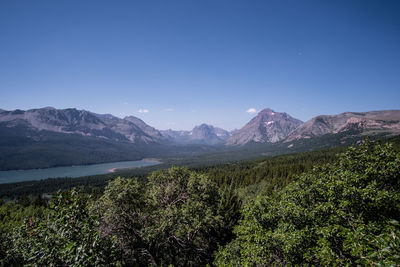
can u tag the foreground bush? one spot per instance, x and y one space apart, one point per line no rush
175 218
68 235
340 214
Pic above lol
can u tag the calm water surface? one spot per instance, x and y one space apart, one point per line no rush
71 171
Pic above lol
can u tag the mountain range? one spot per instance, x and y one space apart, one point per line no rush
106 126
81 122
267 126
81 137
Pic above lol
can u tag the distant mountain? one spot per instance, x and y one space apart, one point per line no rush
81 122
175 136
365 123
267 127
47 137
201 134
208 134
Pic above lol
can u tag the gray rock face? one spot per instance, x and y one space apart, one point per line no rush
208 134
201 134
73 121
373 122
145 127
267 127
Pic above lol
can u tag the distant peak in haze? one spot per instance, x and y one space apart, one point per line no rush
200 134
204 125
51 108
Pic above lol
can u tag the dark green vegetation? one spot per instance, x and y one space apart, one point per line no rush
203 159
265 212
20 152
279 168
177 216
345 213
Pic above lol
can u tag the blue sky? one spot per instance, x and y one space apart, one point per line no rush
188 62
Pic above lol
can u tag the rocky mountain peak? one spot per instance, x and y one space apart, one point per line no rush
267 111
208 134
202 131
203 128
268 126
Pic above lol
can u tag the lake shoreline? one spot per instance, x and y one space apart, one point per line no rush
157 161
89 164
73 171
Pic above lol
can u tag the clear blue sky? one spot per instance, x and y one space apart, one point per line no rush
188 62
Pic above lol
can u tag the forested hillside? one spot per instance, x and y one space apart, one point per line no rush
244 173
240 174
264 212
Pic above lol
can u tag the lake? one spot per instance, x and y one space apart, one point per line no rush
70 171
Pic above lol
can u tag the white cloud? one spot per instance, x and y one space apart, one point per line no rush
125 103
143 110
251 110
169 109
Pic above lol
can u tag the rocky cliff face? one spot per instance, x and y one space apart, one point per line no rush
267 127
373 122
154 133
73 121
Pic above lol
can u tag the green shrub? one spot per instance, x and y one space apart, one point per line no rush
177 217
344 213
68 235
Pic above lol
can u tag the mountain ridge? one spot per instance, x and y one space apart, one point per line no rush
82 122
268 126
371 122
